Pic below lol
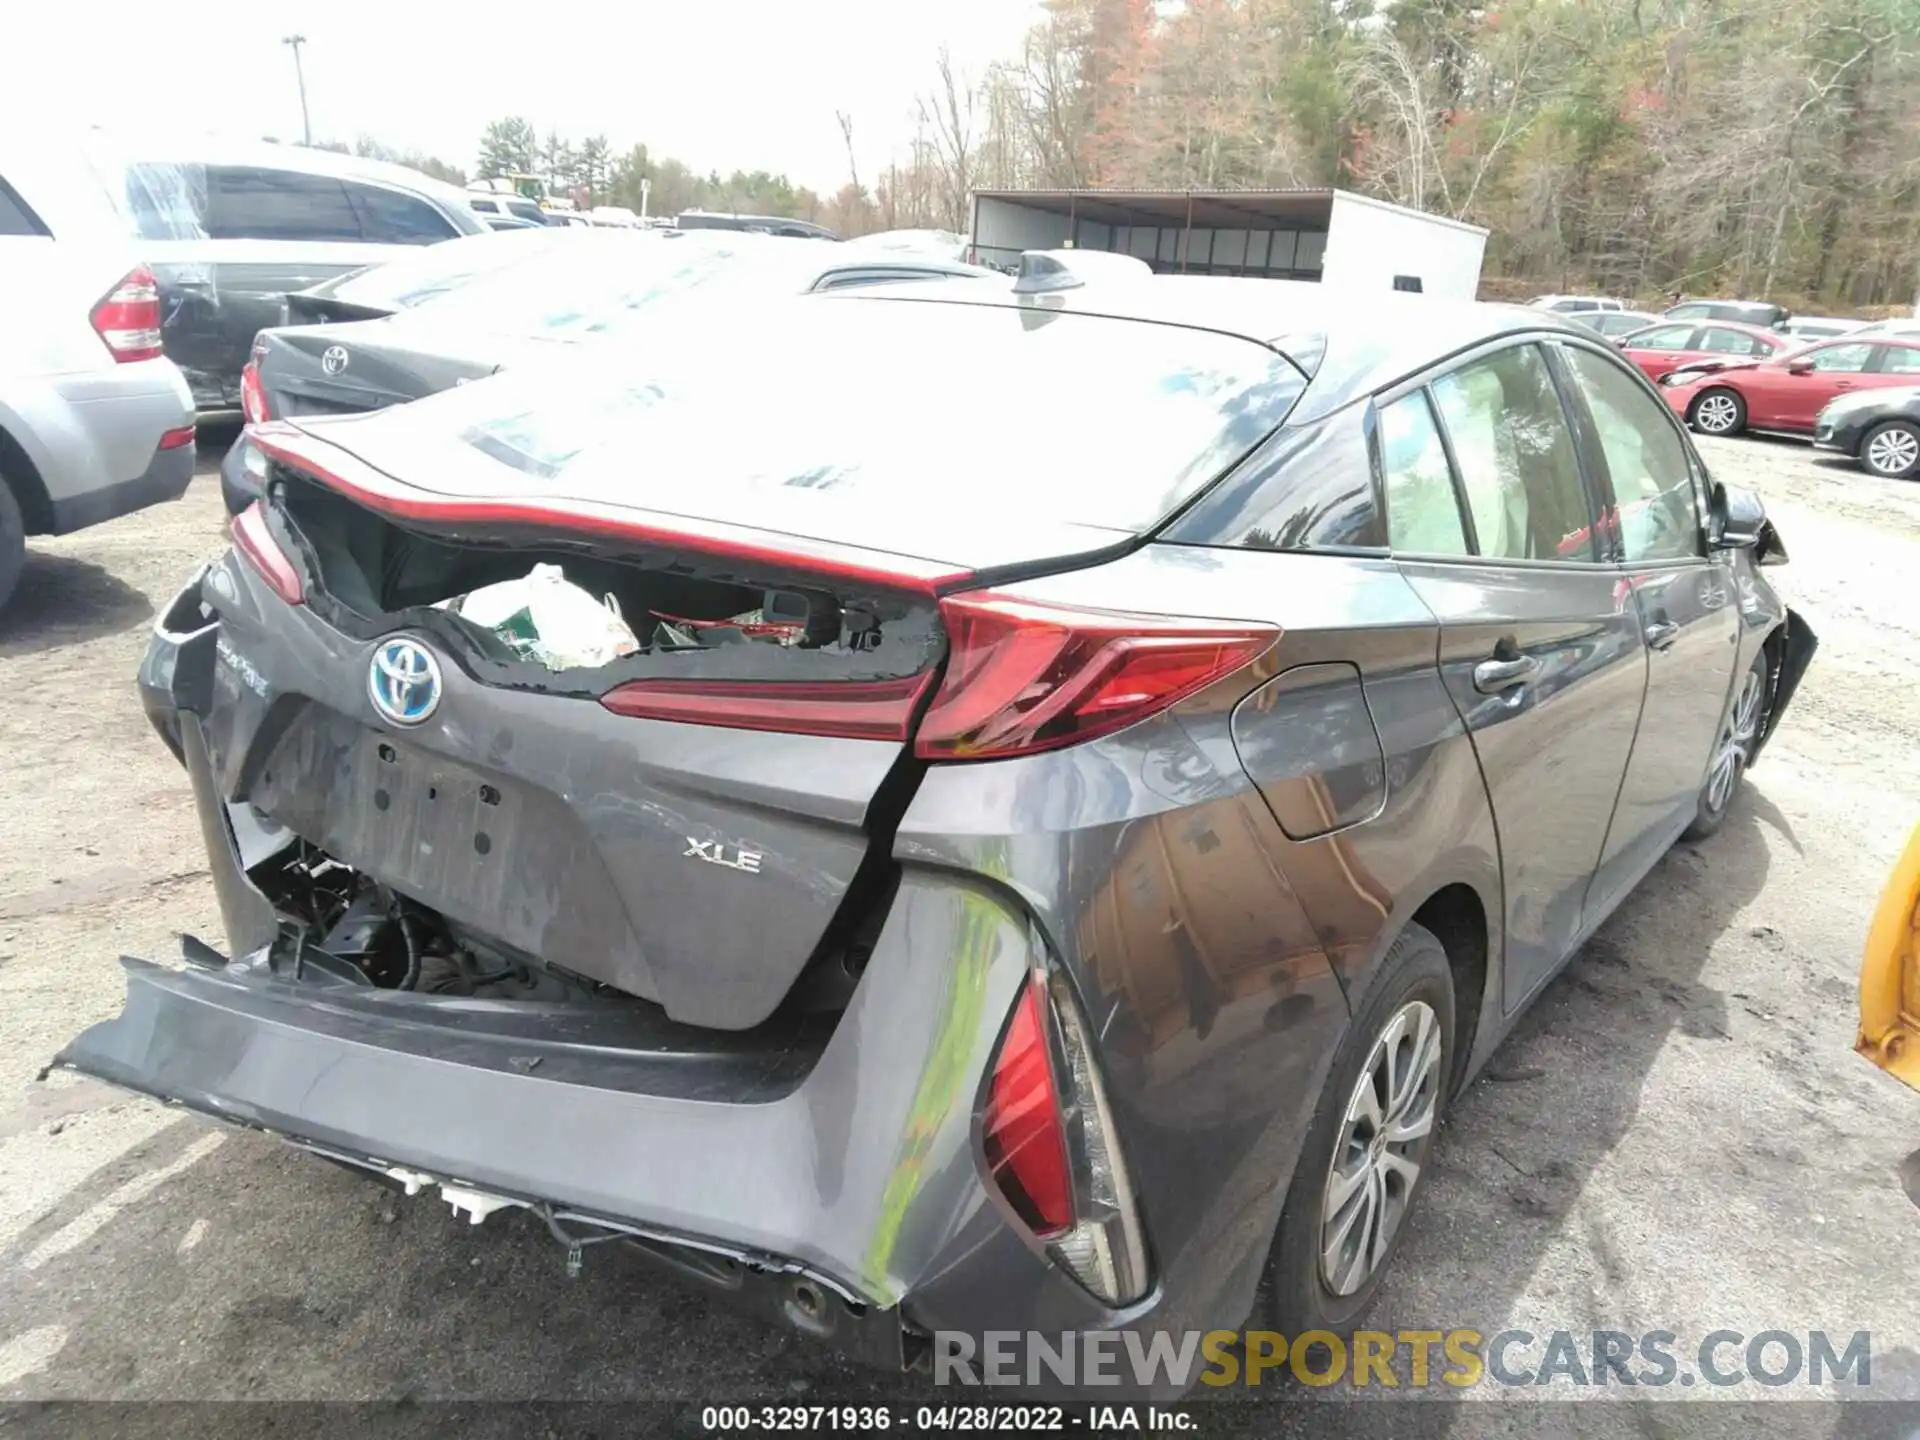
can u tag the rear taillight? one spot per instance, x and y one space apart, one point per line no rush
253 395
253 537
854 710
1050 1147
177 439
1023 677
1026 1147
127 319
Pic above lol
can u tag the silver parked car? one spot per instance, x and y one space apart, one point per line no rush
949 807
94 421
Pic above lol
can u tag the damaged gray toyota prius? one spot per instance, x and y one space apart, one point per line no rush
940 810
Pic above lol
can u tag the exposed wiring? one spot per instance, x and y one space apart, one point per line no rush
411 979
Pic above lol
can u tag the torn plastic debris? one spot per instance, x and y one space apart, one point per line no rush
546 617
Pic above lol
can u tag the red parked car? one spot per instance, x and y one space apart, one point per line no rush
1663 348
1788 391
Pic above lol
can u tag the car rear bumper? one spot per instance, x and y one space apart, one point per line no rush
165 478
847 1170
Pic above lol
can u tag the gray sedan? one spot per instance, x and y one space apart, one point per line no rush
952 808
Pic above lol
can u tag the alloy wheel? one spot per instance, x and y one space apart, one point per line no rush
1383 1142
1736 742
1893 451
1717 413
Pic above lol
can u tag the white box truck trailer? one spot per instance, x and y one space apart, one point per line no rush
1330 236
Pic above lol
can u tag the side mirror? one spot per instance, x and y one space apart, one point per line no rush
1800 367
1737 520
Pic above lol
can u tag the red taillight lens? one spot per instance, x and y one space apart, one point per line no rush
1023 677
855 710
128 318
1025 1144
177 439
253 537
253 396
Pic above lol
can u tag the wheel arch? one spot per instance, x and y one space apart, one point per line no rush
20 475
1456 916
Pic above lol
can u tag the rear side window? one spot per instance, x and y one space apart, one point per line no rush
1423 514
1652 479
1309 488
388 217
1667 337
1517 460
245 203
15 217
1899 360
1730 342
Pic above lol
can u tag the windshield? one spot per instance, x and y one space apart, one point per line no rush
898 406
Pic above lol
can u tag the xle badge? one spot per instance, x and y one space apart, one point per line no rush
714 853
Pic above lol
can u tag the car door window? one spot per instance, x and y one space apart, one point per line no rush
1841 359
249 203
1517 461
1689 312
15 217
1899 360
388 217
1423 513
1658 518
1667 337
1728 342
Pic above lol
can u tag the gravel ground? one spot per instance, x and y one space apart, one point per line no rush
1678 1138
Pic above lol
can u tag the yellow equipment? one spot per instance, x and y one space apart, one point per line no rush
1890 974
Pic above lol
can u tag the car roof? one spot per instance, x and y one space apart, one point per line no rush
268 155
1347 343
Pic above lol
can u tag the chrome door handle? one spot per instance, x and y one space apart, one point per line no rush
1661 634
1490 676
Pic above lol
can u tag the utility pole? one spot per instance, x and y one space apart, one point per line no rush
294 42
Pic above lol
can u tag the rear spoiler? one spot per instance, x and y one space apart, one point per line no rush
305 308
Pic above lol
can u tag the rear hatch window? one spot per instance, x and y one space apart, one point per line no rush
903 413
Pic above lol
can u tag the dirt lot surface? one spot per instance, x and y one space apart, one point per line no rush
1679 1138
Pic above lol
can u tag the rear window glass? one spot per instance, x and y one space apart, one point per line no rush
1009 412
605 281
436 270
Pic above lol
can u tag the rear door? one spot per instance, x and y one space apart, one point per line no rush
1539 648
1683 598
1664 348
1895 364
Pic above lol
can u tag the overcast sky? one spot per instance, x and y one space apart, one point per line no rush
719 84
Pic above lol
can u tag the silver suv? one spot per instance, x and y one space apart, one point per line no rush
94 420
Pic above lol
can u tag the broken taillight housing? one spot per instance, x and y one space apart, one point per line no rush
1023 677
253 395
253 537
1051 1149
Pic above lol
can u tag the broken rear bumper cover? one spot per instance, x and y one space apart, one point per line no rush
845 1168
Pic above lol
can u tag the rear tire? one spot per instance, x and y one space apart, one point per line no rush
1347 1207
1718 411
13 543
1740 732
1891 450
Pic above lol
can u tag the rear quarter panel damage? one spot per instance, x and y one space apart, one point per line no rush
1215 955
